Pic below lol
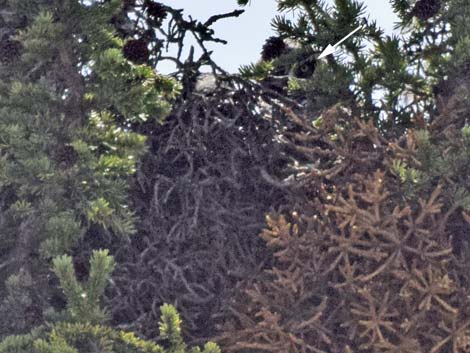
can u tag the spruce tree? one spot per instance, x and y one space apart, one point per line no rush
392 79
419 77
68 99
319 296
81 328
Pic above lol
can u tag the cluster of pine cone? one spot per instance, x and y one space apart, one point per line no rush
136 50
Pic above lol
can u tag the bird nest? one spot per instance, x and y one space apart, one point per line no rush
201 193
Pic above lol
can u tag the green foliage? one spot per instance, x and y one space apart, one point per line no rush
60 232
394 80
20 289
170 328
84 337
405 173
133 90
19 343
80 331
70 104
447 161
257 71
83 299
458 12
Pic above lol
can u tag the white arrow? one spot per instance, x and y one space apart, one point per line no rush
330 49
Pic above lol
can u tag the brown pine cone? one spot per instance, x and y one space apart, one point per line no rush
136 50
273 48
425 9
10 50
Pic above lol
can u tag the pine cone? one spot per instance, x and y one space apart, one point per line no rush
156 10
58 301
273 48
9 50
127 4
136 50
444 88
33 315
66 155
425 9
82 269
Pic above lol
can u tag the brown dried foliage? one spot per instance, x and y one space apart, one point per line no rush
357 267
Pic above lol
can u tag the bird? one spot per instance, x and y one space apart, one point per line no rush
289 58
